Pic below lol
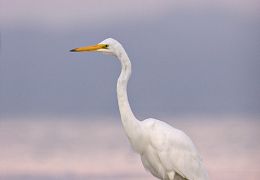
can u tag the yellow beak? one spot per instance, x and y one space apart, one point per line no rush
90 48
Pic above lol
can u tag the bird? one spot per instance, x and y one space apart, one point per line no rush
166 152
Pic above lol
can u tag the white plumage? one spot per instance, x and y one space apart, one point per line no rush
166 152
170 151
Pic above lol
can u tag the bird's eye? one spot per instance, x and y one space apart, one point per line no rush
106 46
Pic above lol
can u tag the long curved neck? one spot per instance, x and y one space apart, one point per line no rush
130 123
123 103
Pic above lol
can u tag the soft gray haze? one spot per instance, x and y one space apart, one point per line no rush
186 59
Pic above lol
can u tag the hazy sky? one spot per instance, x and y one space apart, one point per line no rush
188 56
61 13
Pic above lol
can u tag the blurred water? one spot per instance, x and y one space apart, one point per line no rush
78 148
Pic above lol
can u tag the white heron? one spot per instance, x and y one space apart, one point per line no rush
168 153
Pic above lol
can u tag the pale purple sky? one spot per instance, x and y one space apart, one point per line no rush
64 13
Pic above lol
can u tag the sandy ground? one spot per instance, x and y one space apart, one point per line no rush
97 149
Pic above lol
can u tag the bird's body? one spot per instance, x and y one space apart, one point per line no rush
170 152
166 152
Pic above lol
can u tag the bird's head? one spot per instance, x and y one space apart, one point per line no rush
108 46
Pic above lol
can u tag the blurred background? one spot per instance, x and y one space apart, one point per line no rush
195 65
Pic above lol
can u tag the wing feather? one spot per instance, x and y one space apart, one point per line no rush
175 150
